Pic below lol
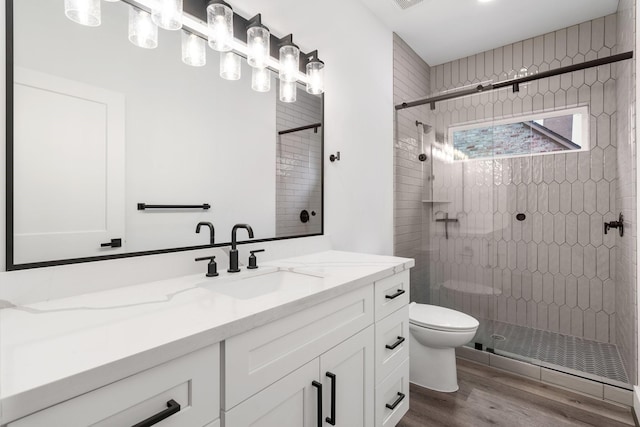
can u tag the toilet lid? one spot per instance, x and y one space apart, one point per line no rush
441 318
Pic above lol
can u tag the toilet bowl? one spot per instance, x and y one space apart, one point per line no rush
435 332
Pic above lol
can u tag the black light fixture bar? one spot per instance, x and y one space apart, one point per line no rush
314 126
515 83
198 9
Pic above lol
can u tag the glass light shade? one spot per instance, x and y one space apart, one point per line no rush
84 12
315 76
194 50
142 31
220 24
167 14
258 44
289 63
261 79
230 66
288 91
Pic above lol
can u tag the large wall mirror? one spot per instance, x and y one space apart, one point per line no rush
98 126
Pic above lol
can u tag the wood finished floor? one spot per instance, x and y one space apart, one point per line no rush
489 397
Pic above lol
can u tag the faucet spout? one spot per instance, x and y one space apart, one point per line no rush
235 230
212 231
233 253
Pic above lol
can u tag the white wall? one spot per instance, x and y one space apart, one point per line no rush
359 119
358 52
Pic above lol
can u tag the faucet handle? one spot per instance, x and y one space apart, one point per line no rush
253 261
212 268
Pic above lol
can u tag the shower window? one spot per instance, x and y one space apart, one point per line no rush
548 132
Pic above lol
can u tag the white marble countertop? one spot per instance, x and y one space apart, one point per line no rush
55 350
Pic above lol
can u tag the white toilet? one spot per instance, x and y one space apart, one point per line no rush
435 332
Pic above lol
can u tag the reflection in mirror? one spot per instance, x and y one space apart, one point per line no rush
100 126
549 132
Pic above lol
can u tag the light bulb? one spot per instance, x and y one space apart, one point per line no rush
230 66
261 79
220 25
84 12
258 44
288 91
167 14
142 31
315 75
193 50
289 63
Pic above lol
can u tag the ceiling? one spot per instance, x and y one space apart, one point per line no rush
444 30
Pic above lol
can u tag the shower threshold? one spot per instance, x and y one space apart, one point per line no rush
578 356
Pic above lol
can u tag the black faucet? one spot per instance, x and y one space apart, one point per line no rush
212 231
233 254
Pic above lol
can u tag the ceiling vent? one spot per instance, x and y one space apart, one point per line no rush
406 4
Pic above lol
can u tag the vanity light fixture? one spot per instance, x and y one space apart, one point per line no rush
258 42
230 66
142 31
167 14
84 12
289 59
212 22
315 74
261 79
288 91
194 49
220 25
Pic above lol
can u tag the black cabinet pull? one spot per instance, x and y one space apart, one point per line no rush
317 385
397 402
396 295
172 408
332 419
114 243
395 344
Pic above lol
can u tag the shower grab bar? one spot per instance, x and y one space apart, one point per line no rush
314 126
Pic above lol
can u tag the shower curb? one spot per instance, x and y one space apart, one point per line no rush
575 383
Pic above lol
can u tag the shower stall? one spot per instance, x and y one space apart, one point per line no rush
518 200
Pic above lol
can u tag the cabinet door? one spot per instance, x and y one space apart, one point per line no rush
291 401
347 376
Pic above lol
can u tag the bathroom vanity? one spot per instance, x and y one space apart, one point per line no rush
308 341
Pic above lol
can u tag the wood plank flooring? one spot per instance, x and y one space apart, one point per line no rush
489 397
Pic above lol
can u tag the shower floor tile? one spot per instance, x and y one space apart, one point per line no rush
590 358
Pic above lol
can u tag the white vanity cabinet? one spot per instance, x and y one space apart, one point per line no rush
392 349
315 357
191 381
334 357
348 356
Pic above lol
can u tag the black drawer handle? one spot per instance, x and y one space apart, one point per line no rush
332 419
173 407
396 295
114 243
395 344
397 402
318 385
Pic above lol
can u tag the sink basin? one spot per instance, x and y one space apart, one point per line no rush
264 284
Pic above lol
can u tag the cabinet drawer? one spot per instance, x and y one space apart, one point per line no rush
392 331
193 381
391 294
393 392
263 355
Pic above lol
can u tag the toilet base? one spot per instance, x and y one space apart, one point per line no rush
432 368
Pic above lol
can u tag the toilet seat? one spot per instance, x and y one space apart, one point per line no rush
441 318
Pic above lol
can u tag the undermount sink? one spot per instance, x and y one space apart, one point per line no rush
264 284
